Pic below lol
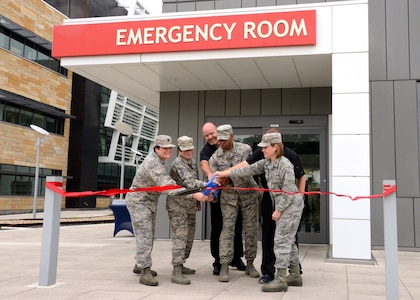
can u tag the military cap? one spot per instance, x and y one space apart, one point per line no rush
224 132
270 138
164 141
185 143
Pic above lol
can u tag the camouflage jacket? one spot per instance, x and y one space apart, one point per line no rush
185 173
222 160
280 176
152 172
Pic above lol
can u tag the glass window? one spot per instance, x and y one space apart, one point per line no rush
50 124
54 65
60 126
30 51
43 57
10 168
46 172
2 107
16 44
56 173
6 184
41 187
19 180
63 71
104 109
4 38
144 146
12 114
26 48
32 180
22 169
39 120
26 117
22 186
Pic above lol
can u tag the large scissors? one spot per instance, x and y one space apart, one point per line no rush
206 190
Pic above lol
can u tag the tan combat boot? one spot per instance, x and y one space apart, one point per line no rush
177 276
278 284
137 270
147 278
250 269
188 271
224 273
294 278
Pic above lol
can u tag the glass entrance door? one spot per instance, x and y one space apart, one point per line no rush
310 145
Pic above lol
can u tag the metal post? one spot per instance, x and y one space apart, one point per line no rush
39 141
50 235
125 130
391 242
38 146
123 139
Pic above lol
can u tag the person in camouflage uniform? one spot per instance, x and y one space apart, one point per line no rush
228 154
142 205
182 210
287 207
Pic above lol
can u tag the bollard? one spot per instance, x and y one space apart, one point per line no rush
50 235
391 242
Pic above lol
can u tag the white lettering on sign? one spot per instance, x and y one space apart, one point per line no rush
229 30
120 37
215 32
280 28
193 33
175 34
161 35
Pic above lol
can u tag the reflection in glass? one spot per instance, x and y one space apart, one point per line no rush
307 146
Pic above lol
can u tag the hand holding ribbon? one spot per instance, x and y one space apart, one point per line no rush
210 185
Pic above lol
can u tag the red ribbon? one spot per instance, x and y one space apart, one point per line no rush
57 187
387 191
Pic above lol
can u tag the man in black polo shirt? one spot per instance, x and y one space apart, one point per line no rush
210 134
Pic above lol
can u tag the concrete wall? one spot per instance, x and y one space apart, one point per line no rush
394 75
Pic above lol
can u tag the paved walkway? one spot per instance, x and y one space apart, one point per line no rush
94 265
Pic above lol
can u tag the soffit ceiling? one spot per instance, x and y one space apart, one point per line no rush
143 81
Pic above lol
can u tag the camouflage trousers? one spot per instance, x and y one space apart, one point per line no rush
143 220
183 229
249 221
285 249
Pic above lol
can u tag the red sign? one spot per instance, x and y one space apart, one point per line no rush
275 29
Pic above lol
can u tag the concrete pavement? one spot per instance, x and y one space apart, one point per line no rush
94 265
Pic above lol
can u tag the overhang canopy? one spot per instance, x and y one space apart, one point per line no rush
143 76
36 105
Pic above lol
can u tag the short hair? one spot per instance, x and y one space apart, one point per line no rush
272 130
280 149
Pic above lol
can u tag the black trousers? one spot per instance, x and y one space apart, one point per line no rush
268 228
216 229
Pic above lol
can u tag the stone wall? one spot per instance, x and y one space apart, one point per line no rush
24 77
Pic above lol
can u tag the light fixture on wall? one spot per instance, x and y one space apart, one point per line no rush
39 141
125 130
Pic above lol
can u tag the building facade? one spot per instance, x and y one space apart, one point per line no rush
348 103
337 102
34 89
391 127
